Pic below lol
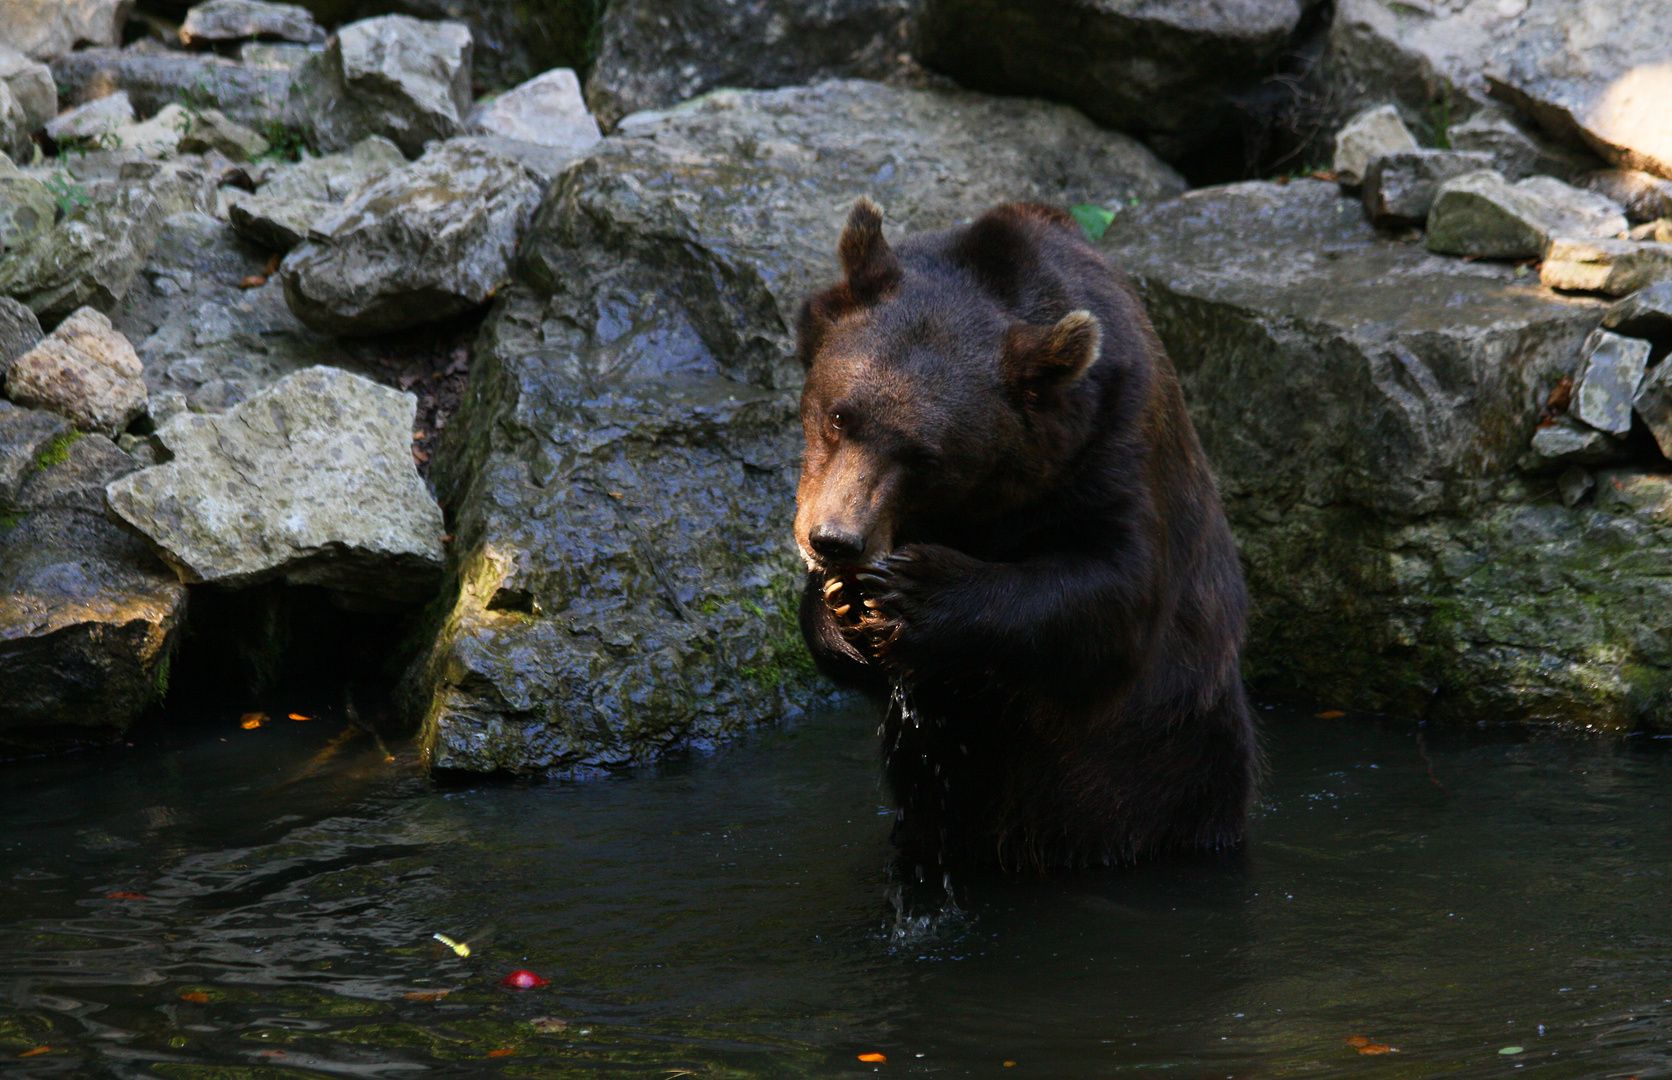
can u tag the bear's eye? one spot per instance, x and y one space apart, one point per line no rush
839 420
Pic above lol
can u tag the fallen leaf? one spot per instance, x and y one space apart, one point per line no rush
37 1050
616 495
1512 1050
272 1053
1009 1064
299 716
549 1023
503 1051
876 1059
1329 714
1324 174
197 996
252 720
272 266
1377 1048
419 456
125 896
1356 1040
426 995
522 979
419 434
254 281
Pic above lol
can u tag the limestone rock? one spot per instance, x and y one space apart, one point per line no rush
84 370
1566 441
1167 72
393 76
14 126
87 614
1647 314
44 29
655 53
31 85
212 130
154 80
26 206
1399 188
156 138
1517 147
1371 134
548 110
1615 267
1365 405
284 209
233 20
1611 368
91 256
1481 214
97 118
1644 197
1575 483
311 480
425 242
1653 402
19 331
623 466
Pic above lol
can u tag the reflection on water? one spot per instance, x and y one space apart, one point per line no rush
264 906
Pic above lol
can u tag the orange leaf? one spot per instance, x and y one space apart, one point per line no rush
1377 1048
196 995
503 1051
1356 1040
426 995
37 1050
299 716
251 720
254 281
877 1059
1329 714
125 896
1009 1064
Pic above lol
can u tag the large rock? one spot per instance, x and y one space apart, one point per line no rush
393 76
1166 71
1364 404
1399 189
91 256
19 331
87 613
623 466
653 53
547 110
426 242
311 480
1615 267
1372 134
281 213
1517 147
1481 214
1643 196
31 85
154 80
1610 368
14 126
44 29
93 120
234 20
84 370
27 206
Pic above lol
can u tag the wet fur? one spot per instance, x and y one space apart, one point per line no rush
1050 575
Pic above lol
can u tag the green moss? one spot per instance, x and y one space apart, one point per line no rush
57 451
159 678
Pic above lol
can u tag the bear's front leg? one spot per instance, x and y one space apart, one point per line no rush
916 603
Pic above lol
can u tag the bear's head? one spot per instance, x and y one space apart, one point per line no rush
929 406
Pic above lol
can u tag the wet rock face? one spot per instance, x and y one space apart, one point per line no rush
316 471
1365 405
394 76
1165 71
654 53
425 242
86 612
623 467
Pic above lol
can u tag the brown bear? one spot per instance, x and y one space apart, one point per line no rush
1015 547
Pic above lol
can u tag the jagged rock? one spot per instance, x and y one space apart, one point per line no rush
1372 134
1646 496
91 256
96 119
548 110
1615 267
153 80
26 206
1643 196
1566 441
1647 314
393 76
544 162
49 29
1482 214
1574 484
1517 147
1653 402
1399 189
275 56
1609 372
14 126
283 210
316 471
31 84
212 130
654 53
87 614
1365 404
426 242
84 370
19 331
1168 72
233 20
623 466
156 138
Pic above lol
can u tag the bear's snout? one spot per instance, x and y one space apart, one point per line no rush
834 545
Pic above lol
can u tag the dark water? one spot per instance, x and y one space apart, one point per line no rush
728 917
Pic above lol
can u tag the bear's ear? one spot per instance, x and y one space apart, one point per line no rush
1037 357
870 266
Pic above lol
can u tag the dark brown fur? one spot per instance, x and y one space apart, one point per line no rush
1015 546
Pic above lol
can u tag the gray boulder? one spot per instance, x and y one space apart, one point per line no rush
19 331
1399 189
93 120
234 20
1610 368
30 83
1647 314
548 110
45 30
153 80
1517 146
1566 441
317 472
88 615
212 131
1372 134
91 256
1482 214
1615 267
14 126
623 466
1364 404
1653 402
281 213
26 206
654 53
1643 196
1168 72
426 242
392 76
84 370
